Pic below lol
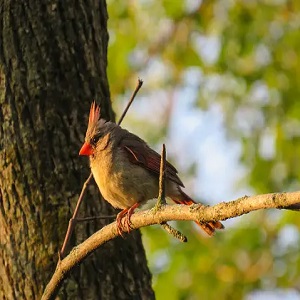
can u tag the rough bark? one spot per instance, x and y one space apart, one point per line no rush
53 58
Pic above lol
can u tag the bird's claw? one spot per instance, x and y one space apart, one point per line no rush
126 215
120 226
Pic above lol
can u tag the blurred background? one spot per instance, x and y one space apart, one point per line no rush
221 89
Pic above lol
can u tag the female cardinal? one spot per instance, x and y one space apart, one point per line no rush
126 169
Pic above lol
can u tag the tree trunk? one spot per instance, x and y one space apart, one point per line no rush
53 58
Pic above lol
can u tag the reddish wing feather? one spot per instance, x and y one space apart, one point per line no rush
144 156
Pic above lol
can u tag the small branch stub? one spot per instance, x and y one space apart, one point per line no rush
174 232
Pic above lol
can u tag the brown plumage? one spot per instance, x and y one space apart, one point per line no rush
126 169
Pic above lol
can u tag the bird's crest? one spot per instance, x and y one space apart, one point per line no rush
94 114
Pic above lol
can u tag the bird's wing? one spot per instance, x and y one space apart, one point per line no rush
140 153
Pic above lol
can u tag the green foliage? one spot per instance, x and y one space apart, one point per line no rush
248 55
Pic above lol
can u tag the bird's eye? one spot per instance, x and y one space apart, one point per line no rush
94 140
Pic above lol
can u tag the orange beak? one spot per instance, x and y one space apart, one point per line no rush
86 149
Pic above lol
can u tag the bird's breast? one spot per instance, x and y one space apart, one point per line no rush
122 183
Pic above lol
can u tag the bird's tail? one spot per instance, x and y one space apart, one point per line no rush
210 227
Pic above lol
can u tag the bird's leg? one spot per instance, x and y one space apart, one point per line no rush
125 213
129 214
119 218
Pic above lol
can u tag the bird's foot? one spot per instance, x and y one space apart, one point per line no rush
119 218
126 215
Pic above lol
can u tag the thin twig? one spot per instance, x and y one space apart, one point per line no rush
161 199
74 219
196 212
137 88
96 218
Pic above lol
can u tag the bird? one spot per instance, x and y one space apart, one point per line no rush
126 170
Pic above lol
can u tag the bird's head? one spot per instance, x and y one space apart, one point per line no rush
95 131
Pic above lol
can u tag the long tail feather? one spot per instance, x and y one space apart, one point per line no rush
209 227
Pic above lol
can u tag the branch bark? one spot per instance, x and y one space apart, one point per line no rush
221 211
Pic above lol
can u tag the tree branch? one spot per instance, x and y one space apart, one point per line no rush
221 211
